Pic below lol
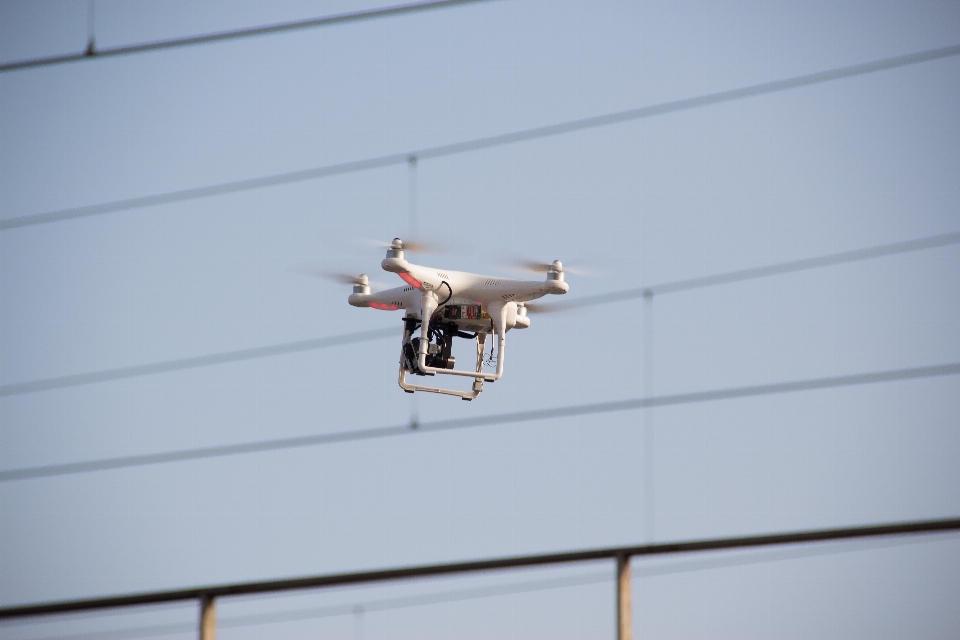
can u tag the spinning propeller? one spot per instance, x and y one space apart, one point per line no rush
337 276
542 307
544 267
346 278
411 246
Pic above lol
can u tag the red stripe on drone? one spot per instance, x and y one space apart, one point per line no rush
410 280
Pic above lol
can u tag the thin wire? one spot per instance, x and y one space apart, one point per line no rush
120 373
196 361
412 184
793 266
221 36
570 411
480 143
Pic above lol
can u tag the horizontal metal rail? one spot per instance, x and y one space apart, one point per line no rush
404 573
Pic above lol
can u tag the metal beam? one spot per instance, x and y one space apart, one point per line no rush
403 573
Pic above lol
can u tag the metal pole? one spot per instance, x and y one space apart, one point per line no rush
624 610
208 618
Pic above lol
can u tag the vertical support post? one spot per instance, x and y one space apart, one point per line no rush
624 609
208 618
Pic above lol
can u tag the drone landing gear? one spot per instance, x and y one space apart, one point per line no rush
430 356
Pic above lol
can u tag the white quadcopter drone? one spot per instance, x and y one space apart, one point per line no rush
450 304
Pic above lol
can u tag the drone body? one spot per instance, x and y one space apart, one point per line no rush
444 305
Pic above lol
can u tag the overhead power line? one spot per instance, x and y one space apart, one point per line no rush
480 143
753 273
166 366
93 53
569 411
193 362
493 564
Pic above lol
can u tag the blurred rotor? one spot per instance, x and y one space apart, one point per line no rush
414 247
532 266
335 276
544 307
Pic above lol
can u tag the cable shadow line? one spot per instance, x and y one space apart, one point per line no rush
597 408
776 554
221 36
192 362
481 143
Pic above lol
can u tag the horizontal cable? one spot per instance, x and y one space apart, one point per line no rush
752 273
93 53
480 143
196 361
576 303
569 411
494 564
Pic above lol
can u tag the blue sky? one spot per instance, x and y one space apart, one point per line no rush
837 166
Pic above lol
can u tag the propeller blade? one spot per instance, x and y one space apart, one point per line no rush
416 247
344 278
532 266
334 276
543 307
445 247
424 247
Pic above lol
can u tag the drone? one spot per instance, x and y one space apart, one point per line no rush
444 305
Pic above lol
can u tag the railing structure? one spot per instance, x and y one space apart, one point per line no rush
207 596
